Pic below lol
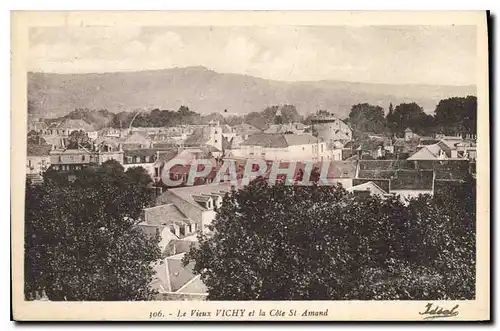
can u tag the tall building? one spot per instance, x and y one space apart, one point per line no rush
330 128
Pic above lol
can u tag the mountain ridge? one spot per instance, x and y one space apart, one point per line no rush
205 91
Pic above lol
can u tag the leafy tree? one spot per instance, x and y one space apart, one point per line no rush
367 118
278 242
390 120
410 115
233 120
266 117
81 238
457 115
77 139
34 138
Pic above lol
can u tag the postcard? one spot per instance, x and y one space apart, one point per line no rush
250 166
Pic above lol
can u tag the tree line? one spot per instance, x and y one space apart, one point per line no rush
454 115
457 115
183 116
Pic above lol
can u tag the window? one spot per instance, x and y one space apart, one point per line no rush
83 157
321 148
215 132
138 159
29 163
216 141
209 204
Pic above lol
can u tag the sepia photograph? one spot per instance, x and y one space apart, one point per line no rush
257 168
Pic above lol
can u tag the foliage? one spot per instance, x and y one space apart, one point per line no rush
367 118
457 115
81 242
78 139
266 117
321 243
410 115
34 138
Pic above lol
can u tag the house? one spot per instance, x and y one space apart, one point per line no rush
196 203
174 281
283 147
135 140
184 161
69 160
410 135
446 149
370 188
330 128
175 229
210 135
65 128
37 126
245 130
37 161
146 158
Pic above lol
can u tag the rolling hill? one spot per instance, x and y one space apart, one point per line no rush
206 91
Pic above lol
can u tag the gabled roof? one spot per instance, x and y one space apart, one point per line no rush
199 137
171 274
195 285
226 128
450 143
187 193
300 139
430 152
373 188
162 214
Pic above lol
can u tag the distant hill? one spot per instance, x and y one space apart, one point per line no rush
206 91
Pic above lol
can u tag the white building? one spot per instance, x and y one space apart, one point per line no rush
330 128
195 203
283 147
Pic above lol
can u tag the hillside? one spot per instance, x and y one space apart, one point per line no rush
206 91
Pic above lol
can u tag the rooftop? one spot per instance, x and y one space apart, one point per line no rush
279 140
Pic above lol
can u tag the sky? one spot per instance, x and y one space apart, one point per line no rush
442 55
